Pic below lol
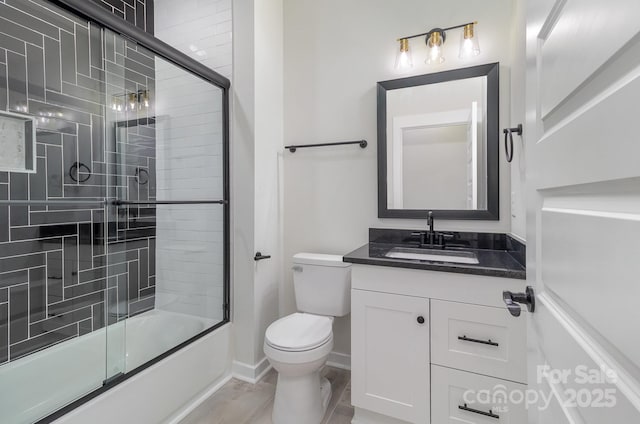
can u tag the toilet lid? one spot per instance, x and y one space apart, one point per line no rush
297 332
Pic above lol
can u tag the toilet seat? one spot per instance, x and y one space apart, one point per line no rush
299 332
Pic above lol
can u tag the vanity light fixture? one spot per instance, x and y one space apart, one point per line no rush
130 101
435 39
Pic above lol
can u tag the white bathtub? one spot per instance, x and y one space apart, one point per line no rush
38 384
150 334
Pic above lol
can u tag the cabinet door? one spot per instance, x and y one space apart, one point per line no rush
390 354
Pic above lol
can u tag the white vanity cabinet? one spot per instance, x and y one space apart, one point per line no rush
392 380
421 339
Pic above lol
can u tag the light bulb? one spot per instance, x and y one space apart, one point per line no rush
434 43
404 61
435 55
133 99
145 98
469 45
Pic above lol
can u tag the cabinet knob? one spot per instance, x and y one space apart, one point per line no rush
420 320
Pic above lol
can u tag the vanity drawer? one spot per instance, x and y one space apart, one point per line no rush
463 397
480 339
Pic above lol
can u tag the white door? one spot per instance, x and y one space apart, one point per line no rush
390 355
583 178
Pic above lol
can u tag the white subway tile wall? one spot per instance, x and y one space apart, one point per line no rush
190 271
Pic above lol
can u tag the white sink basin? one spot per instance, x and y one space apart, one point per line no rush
433 255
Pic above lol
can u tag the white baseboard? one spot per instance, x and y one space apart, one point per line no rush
250 373
254 373
182 414
339 360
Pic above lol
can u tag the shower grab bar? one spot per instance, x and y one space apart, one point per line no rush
293 148
167 202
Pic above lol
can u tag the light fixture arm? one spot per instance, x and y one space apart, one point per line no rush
441 30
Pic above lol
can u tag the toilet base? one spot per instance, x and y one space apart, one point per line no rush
301 399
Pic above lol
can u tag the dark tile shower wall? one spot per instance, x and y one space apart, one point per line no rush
137 12
54 281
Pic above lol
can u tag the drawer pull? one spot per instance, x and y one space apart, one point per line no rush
477 411
487 342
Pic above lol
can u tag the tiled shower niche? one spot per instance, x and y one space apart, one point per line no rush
62 272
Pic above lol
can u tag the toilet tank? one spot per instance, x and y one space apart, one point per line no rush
322 284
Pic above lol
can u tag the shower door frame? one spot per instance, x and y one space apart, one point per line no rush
109 21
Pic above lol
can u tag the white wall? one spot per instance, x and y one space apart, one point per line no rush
335 52
518 108
434 168
257 143
242 181
189 134
268 152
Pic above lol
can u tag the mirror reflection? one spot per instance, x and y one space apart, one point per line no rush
436 150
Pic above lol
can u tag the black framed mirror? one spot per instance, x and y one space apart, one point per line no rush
438 150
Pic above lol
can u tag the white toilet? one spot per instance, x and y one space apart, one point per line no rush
298 345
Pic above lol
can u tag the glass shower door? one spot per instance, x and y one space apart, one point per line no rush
113 250
166 222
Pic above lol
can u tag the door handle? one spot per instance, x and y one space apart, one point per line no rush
513 301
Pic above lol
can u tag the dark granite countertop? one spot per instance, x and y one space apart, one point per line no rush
496 259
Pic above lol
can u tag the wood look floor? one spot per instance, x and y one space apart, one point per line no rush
238 402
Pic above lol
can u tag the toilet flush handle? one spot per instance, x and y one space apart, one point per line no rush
296 268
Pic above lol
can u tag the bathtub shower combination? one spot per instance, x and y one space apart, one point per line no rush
114 250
